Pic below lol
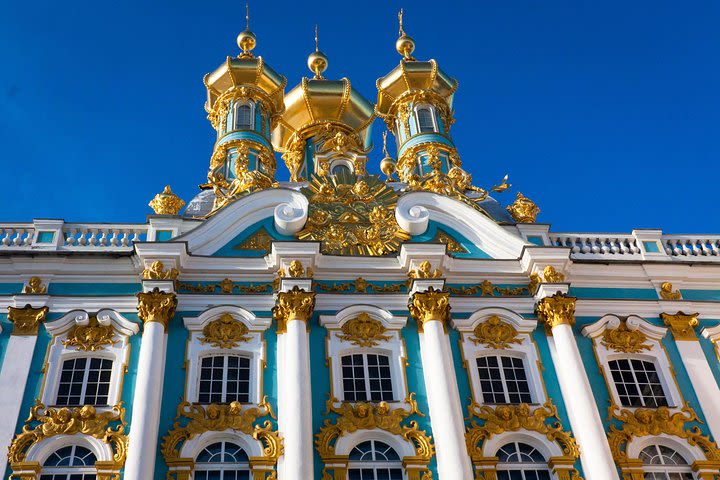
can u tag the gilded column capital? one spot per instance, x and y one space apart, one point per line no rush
432 304
557 310
295 304
682 325
156 306
26 320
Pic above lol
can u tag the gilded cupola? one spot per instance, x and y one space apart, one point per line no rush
326 125
244 105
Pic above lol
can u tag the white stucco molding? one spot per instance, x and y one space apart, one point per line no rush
40 451
287 208
522 325
712 333
473 225
534 259
347 442
193 447
389 321
633 322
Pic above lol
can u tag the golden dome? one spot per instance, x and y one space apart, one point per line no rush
316 103
245 72
410 78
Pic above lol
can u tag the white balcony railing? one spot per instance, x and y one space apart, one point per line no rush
71 236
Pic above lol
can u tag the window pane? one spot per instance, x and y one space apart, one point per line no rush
220 379
84 381
638 383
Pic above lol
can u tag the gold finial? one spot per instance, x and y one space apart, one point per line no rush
246 40
317 61
404 45
387 164
166 203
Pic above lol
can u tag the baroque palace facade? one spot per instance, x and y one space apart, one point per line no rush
342 325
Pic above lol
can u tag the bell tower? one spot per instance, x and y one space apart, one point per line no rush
244 105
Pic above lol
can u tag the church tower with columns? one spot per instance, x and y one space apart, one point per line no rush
339 324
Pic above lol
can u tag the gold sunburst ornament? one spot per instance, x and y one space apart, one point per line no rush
352 215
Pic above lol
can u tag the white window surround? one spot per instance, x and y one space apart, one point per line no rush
689 452
347 442
40 451
253 349
193 447
655 355
236 108
393 347
59 353
433 116
526 350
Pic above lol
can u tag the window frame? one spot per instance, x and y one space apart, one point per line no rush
433 118
235 116
526 350
58 353
666 468
374 464
366 374
505 354
657 355
393 347
84 383
254 348
211 354
522 466
220 466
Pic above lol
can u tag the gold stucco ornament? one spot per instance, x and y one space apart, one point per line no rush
682 325
557 310
157 271
295 304
352 215
425 270
194 420
26 320
430 305
225 332
35 286
523 210
166 203
90 337
667 292
622 339
156 306
550 275
363 331
494 333
85 420
369 416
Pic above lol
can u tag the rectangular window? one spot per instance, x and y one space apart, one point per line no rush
637 383
224 379
84 381
503 380
366 377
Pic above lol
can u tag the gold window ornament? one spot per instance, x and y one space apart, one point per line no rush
623 339
90 337
494 333
363 331
225 332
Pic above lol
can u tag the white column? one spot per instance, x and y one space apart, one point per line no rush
155 309
14 374
293 312
597 461
431 310
446 418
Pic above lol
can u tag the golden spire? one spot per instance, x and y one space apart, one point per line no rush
404 45
246 40
317 61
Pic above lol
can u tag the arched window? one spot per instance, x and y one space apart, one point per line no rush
222 461
425 120
503 379
243 117
637 383
366 377
70 463
374 460
84 381
340 169
664 463
224 379
520 461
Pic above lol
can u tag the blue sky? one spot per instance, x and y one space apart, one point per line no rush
607 114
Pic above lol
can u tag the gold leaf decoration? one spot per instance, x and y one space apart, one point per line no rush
487 289
352 215
166 203
35 286
90 337
363 331
523 210
225 332
157 271
425 270
550 275
26 320
71 421
667 292
622 339
260 240
453 246
360 285
494 333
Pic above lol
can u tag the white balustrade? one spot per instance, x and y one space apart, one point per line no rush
16 235
692 246
76 236
583 244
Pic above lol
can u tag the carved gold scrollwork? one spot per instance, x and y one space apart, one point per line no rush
225 332
157 271
90 337
557 310
494 333
453 246
622 339
369 416
26 320
166 203
430 305
296 304
363 331
193 420
550 275
260 241
682 325
48 422
156 306
425 270
488 289
667 292
645 421
512 418
523 209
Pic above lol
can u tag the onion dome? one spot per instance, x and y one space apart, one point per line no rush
322 119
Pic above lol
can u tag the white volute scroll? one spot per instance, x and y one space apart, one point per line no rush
290 217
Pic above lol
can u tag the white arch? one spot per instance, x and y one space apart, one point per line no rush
193 447
40 451
536 440
521 324
388 320
240 314
689 452
346 443
415 209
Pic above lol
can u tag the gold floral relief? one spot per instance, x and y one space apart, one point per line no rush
166 203
35 286
494 333
296 304
259 241
487 289
453 246
225 332
90 337
622 339
557 310
363 331
157 271
523 210
425 270
430 305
